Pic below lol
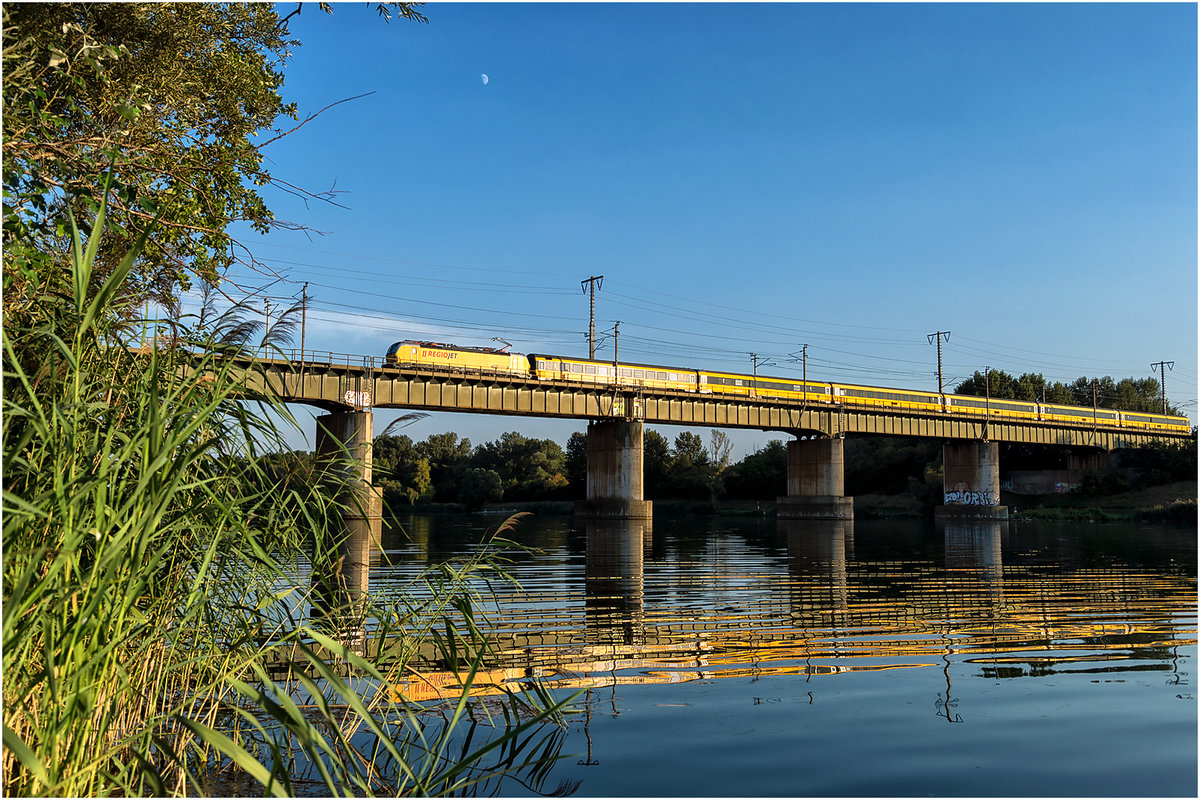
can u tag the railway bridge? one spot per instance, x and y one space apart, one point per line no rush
350 386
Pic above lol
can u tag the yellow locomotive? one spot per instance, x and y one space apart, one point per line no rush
542 367
475 359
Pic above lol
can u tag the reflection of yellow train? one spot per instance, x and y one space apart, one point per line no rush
493 361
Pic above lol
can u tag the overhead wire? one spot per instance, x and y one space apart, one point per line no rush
436 282
751 324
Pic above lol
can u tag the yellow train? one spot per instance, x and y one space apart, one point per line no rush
542 367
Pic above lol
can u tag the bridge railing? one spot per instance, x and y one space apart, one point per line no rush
329 357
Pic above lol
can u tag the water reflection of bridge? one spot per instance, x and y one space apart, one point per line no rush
825 614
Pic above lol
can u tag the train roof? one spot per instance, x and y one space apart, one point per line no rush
459 347
608 362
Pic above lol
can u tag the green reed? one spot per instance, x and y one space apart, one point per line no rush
153 641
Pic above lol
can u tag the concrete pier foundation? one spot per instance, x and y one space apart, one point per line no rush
615 486
816 481
971 481
344 441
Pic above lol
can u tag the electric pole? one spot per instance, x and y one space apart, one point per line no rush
592 283
616 342
303 316
1162 367
939 336
804 373
267 330
987 401
758 361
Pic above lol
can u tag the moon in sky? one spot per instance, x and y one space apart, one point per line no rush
483 77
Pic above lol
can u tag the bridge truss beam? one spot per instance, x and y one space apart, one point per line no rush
346 386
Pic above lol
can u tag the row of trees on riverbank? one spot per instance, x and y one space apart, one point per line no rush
444 469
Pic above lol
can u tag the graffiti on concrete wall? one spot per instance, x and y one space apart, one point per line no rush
970 498
964 496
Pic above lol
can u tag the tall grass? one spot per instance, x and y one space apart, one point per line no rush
153 641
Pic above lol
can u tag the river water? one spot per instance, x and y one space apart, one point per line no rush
750 657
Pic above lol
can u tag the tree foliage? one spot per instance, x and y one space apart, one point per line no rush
446 469
762 475
656 463
575 464
447 456
174 100
403 475
528 468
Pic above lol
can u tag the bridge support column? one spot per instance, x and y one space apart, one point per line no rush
816 481
971 481
614 472
344 441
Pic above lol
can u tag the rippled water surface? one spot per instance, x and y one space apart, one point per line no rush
754 657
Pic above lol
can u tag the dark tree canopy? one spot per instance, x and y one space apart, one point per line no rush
175 101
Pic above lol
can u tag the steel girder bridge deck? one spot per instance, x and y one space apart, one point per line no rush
342 382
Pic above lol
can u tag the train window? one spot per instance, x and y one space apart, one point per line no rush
662 376
639 373
671 376
590 369
626 372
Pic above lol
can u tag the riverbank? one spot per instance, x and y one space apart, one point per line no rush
1171 502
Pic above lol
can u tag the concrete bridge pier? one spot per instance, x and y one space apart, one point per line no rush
615 488
344 441
816 481
971 481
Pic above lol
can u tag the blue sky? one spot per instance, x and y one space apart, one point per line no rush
751 178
